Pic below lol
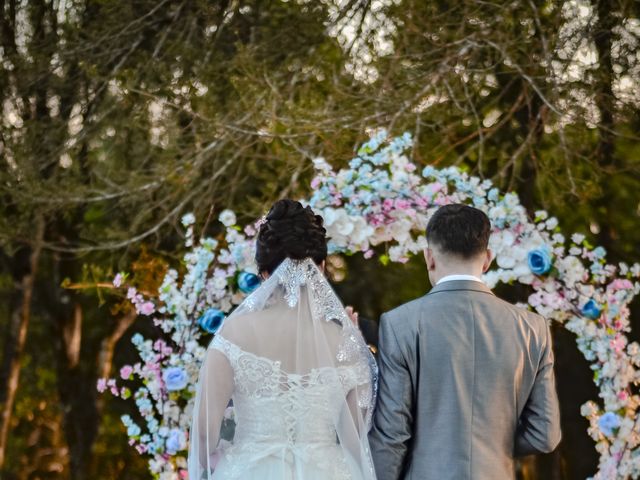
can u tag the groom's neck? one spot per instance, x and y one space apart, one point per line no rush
449 267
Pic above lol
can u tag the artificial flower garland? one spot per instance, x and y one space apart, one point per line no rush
382 200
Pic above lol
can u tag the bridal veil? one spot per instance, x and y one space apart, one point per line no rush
303 383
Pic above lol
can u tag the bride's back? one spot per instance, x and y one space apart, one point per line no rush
300 376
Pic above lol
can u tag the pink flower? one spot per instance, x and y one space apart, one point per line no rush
410 167
623 395
117 281
315 183
421 202
131 293
618 344
147 308
621 284
368 254
126 371
434 187
402 204
102 385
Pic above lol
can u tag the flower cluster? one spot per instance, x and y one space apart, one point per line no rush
383 199
187 309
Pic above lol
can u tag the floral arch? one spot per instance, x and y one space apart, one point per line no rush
382 199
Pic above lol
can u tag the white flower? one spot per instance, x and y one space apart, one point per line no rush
541 214
552 223
577 238
361 233
321 165
227 218
219 283
396 253
188 219
497 213
401 230
505 261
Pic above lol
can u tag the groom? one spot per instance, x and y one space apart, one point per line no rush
466 379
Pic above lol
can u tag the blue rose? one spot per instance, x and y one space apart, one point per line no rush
211 320
539 261
175 378
591 309
248 282
176 441
608 422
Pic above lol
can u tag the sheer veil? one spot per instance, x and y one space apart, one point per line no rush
299 373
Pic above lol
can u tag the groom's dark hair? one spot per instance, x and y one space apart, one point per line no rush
460 230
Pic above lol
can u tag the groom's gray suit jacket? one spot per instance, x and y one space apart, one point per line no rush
466 384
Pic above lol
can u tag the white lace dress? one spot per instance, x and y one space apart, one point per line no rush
302 382
285 423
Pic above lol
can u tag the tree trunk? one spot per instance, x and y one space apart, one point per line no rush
107 347
25 264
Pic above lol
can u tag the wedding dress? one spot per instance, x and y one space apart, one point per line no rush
302 384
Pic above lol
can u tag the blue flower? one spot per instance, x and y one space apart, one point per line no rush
176 441
428 171
493 195
175 378
133 430
591 309
211 320
539 261
365 169
599 252
355 163
248 282
608 422
348 191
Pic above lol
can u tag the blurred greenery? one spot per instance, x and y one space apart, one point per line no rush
118 117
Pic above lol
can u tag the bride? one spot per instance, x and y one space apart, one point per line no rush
295 368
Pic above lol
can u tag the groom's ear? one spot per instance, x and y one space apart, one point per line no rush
429 259
487 261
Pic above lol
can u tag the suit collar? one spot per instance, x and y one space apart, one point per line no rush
461 285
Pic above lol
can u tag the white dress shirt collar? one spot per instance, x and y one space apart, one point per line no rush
451 278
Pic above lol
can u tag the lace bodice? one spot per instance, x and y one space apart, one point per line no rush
290 414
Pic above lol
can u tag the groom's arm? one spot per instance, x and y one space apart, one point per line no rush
393 419
539 424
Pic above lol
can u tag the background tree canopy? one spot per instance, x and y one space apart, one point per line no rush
118 117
